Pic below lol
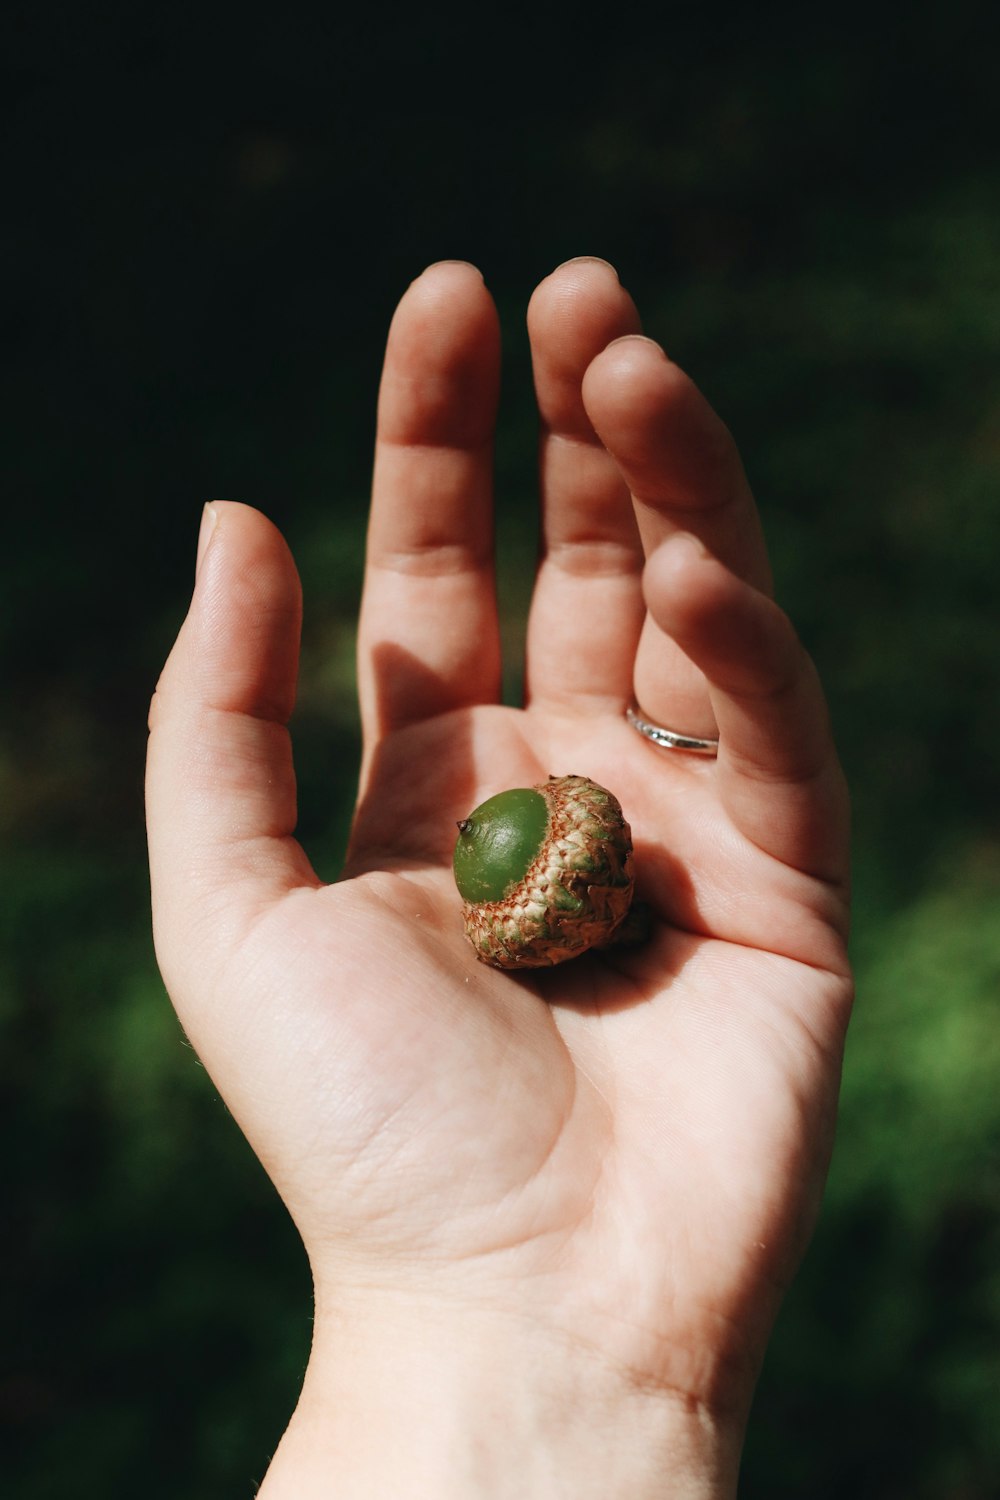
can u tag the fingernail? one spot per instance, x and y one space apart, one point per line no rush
209 517
588 260
638 338
687 539
468 263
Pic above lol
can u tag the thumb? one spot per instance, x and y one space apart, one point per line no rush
220 787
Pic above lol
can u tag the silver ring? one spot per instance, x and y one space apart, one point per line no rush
669 739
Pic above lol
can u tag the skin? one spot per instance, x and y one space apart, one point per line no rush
550 1217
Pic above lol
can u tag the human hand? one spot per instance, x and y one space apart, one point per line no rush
549 1215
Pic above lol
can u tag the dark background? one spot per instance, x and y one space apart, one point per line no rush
207 219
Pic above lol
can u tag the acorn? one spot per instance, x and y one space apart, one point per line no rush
545 872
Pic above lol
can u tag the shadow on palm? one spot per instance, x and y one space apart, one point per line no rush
696 873
426 776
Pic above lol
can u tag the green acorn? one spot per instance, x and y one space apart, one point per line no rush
545 872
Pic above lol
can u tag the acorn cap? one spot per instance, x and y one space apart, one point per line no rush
545 872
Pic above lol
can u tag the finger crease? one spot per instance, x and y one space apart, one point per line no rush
588 440
433 560
811 770
594 557
678 508
476 448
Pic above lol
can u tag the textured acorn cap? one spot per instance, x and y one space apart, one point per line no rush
544 891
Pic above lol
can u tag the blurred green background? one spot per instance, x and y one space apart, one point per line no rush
207 221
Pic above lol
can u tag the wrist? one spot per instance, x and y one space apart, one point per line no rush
426 1401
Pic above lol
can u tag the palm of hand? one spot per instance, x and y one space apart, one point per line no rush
629 1134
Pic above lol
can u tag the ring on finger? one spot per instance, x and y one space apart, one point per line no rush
670 739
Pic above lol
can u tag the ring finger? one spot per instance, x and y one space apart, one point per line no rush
683 470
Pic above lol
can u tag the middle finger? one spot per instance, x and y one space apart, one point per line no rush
587 610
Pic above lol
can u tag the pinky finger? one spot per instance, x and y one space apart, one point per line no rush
779 777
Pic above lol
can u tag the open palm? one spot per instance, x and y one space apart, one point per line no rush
628 1148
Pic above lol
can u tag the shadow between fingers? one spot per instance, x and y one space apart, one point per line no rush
421 775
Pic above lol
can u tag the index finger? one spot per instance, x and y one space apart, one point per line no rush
428 635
